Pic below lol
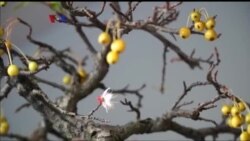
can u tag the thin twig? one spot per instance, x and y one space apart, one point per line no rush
93 111
163 69
25 105
132 108
15 136
53 84
187 89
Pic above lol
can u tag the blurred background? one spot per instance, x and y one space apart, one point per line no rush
140 63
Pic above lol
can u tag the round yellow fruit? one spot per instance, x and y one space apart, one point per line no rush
1 31
104 38
112 57
210 35
244 136
67 79
2 3
241 106
199 26
247 118
195 15
225 110
229 122
118 45
210 23
82 72
2 119
236 121
184 32
33 66
13 70
4 128
248 128
235 111
8 44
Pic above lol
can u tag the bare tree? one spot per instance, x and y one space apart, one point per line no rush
61 117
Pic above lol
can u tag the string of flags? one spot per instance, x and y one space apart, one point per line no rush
59 18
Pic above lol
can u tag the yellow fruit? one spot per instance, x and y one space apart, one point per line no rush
195 15
235 111
199 26
210 23
83 74
247 118
2 119
8 44
236 121
67 79
104 38
118 45
226 109
210 35
2 3
13 70
241 106
1 52
248 128
242 118
33 66
229 122
4 128
244 136
184 32
112 57
1 31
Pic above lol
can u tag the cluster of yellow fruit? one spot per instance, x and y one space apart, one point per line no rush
200 26
67 79
4 125
117 46
237 118
13 69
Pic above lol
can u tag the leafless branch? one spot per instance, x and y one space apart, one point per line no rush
187 89
132 108
5 90
163 69
53 84
25 105
15 136
94 110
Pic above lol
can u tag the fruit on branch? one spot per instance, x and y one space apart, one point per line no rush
67 79
199 26
248 128
236 121
210 23
4 125
104 38
112 57
247 118
82 73
4 128
1 31
244 136
13 70
235 111
210 35
195 15
226 109
32 66
184 32
241 106
8 44
118 45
